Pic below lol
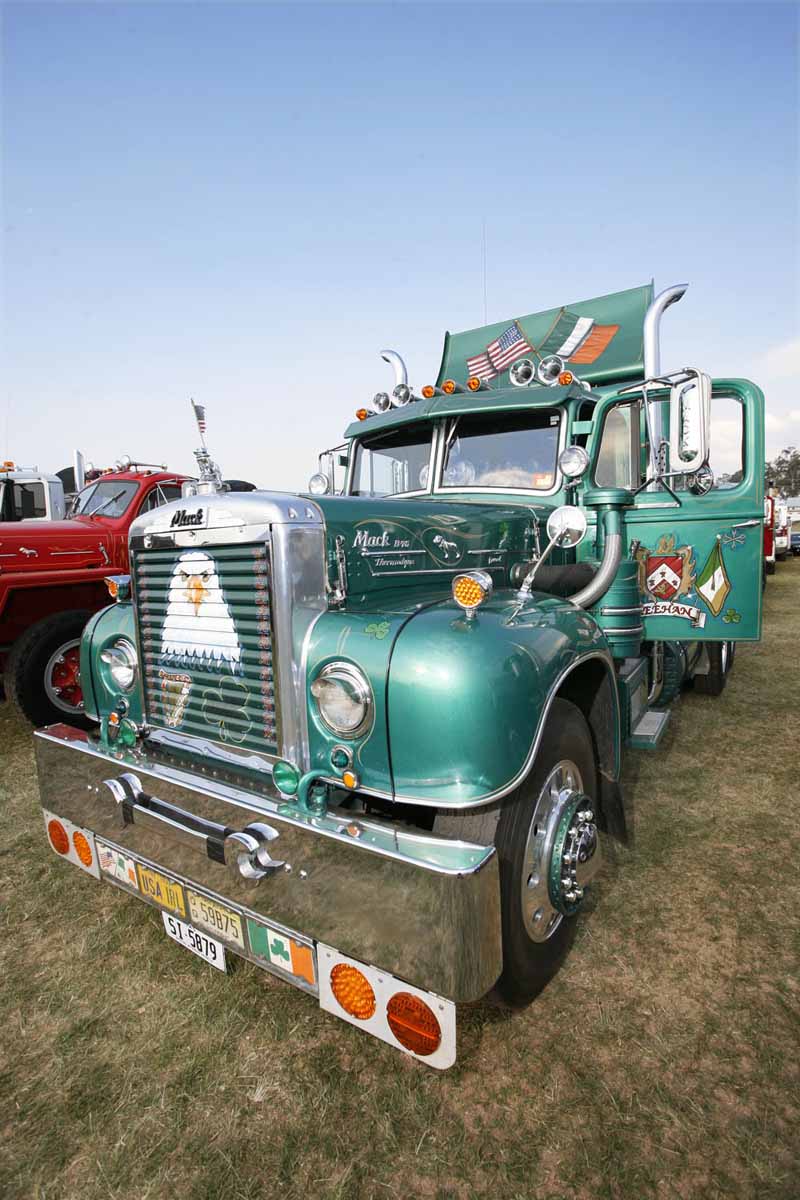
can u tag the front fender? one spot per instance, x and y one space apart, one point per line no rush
467 699
99 694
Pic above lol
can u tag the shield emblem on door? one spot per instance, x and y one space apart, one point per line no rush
663 577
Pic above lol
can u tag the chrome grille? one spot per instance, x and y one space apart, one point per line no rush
206 642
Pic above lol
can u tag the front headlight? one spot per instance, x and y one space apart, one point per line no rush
344 699
120 659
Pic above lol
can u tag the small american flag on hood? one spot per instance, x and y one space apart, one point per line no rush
200 416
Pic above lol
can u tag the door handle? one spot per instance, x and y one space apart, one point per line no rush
245 852
747 524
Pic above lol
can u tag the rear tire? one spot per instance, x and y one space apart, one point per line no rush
720 661
41 676
529 962
769 567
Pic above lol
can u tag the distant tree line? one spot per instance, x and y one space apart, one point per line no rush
784 471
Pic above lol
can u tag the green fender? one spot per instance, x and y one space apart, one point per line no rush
468 699
99 693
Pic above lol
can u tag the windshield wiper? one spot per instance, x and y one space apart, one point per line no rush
93 512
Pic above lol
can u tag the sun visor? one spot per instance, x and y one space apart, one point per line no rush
601 340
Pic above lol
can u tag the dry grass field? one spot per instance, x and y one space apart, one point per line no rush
663 1060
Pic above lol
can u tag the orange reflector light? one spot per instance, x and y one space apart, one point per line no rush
82 848
473 383
413 1024
566 378
467 592
113 589
350 780
428 391
449 386
58 837
362 414
353 991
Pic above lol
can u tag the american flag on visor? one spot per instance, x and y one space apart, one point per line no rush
501 353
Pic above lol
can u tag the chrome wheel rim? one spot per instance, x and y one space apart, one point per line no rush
62 678
540 917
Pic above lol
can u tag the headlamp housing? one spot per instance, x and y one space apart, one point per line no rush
344 699
121 663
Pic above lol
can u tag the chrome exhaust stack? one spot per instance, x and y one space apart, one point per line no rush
652 327
398 366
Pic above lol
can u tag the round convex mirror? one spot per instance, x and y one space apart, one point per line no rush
566 526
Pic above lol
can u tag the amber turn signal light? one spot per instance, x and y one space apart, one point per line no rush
413 1023
362 414
350 780
428 391
353 991
471 589
82 848
58 837
566 378
474 383
449 386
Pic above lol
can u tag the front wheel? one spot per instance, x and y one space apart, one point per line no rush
42 676
547 845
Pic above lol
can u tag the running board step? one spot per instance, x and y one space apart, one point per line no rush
650 729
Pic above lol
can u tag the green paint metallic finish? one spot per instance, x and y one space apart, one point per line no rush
286 778
342 637
100 693
467 699
556 866
623 627
393 545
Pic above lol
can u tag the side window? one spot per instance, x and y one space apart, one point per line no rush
618 457
726 457
29 500
161 494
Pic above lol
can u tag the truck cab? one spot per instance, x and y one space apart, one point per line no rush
370 738
52 580
28 495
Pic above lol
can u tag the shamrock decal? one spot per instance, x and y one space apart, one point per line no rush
377 629
225 706
731 617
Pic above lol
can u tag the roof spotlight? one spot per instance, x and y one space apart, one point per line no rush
522 372
549 370
381 402
401 395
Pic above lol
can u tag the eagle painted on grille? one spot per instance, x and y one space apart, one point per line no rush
198 628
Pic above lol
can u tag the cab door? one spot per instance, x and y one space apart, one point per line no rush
698 554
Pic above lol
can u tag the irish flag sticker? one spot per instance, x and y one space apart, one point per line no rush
279 950
713 584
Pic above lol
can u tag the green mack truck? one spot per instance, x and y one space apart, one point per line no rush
370 740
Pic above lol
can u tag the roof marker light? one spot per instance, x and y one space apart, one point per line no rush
362 414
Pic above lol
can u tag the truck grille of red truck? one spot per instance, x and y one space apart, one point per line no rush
206 643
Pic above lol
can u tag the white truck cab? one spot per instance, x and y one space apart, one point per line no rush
28 495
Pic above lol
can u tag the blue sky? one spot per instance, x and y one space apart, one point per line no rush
245 203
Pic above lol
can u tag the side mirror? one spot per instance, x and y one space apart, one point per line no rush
566 526
689 422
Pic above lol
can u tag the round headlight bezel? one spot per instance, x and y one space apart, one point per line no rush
349 677
119 657
573 462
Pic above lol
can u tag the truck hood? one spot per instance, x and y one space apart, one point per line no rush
47 545
420 544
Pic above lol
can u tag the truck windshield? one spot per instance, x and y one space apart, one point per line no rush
389 463
502 450
106 498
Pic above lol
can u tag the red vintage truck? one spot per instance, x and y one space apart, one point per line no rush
52 579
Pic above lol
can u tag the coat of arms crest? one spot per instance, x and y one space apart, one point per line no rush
665 575
668 572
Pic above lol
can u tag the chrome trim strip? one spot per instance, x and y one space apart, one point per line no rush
607 611
499 793
634 629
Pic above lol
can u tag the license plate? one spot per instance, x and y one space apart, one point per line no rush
215 917
164 892
205 947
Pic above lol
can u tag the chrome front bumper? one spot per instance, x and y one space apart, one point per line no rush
422 907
